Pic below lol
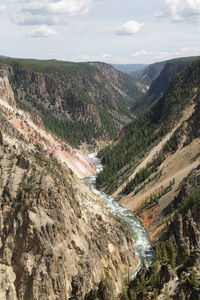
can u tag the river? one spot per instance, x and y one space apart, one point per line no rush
142 248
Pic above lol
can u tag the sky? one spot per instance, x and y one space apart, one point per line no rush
113 31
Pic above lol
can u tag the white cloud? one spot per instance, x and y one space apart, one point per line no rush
186 51
160 14
49 12
152 54
180 10
128 28
61 7
3 8
141 56
29 19
99 57
42 31
144 56
70 7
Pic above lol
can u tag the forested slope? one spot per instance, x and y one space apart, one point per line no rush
158 76
147 130
80 102
174 273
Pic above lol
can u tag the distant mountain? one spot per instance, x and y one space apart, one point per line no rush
135 70
159 76
80 102
151 72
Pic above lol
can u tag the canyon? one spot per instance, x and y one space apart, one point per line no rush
63 238
53 227
158 179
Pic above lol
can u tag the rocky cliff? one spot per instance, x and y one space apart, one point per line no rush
6 92
175 272
157 177
151 72
57 239
150 146
159 76
80 102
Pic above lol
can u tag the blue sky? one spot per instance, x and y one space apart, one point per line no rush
114 31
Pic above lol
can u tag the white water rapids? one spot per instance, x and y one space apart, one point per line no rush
142 248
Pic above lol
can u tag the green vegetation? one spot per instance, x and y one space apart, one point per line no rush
132 146
152 178
144 173
75 100
23 106
140 135
193 279
104 291
194 125
172 144
47 66
162 82
187 202
172 256
166 253
158 76
72 132
153 199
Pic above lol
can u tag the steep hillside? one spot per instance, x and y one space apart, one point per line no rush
163 168
154 169
159 76
30 126
175 111
175 272
52 227
80 102
151 72
167 74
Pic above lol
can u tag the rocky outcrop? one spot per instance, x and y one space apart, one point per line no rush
6 92
175 272
57 239
55 93
166 274
125 89
1 139
92 100
159 77
151 72
29 128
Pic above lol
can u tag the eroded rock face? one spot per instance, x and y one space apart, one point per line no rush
6 92
166 273
56 237
93 99
175 272
1 139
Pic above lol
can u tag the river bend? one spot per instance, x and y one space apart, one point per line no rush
142 248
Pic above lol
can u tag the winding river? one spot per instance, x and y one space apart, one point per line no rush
142 248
